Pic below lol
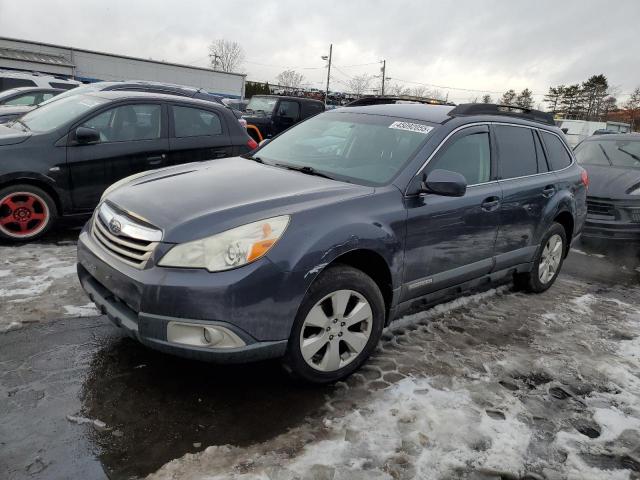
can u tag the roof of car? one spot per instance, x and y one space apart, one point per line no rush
123 94
615 136
415 111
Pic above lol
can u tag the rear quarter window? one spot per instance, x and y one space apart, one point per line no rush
558 156
63 86
8 82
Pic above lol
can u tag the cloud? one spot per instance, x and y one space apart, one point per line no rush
491 45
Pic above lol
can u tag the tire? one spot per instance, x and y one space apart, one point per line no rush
26 213
537 281
338 344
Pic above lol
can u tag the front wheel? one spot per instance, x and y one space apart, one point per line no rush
547 262
337 327
26 213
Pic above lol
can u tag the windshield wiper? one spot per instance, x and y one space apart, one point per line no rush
254 158
605 154
304 169
632 155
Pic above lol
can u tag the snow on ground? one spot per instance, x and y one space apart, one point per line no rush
499 385
38 283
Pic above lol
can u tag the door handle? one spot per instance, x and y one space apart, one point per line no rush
548 191
490 204
156 160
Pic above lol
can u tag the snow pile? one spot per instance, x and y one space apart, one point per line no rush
38 282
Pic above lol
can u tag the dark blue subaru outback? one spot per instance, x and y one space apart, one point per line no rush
306 249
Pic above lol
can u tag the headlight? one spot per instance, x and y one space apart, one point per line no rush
121 182
233 248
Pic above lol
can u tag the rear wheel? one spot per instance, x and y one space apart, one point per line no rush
26 213
547 262
337 327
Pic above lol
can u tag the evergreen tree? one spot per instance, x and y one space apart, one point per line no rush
525 99
508 98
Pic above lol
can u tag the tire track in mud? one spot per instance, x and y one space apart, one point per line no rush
497 385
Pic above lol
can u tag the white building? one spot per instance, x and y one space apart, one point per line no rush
578 130
90 66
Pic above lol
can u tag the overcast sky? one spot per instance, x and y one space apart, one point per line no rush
490 45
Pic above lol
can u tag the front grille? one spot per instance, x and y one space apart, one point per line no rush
132 251
635 215
600 208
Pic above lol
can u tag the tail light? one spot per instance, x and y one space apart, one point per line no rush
252 144
584 176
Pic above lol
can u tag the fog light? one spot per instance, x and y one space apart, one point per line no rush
199 335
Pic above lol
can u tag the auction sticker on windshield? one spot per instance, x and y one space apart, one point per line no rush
411 127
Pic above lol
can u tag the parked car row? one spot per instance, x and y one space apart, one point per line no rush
305 248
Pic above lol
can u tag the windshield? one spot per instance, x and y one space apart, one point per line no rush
261 104
617 153
365 149
47 118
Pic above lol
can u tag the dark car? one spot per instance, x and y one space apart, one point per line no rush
269 115
613 163
57 160
309 246
149 87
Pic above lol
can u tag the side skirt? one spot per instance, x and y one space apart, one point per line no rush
472 286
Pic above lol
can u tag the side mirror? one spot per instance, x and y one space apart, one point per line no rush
85 135
445 183
264 142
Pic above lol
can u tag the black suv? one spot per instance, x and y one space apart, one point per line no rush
58 159
269 115
310 245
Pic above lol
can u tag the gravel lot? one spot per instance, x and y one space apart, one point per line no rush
497 385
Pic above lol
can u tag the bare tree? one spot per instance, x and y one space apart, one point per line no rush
226 55
633 108
359 84
290 79
397 90
419 91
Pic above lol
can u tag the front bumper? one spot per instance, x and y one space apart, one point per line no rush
612 219
256 302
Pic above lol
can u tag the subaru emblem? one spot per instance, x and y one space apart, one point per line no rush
115 227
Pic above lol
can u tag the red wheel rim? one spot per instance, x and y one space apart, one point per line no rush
23 214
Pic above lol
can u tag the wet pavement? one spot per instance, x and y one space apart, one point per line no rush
79 400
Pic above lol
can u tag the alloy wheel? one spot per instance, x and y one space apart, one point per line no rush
336 330
23 214
550 259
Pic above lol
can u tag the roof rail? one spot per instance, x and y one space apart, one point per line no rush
506 110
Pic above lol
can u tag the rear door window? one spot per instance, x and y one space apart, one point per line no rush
559 158
516 151
195 122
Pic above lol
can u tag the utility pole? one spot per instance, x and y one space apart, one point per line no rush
384 67
326 96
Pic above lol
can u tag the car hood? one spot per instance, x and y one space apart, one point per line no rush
199 199
612 182
11 136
